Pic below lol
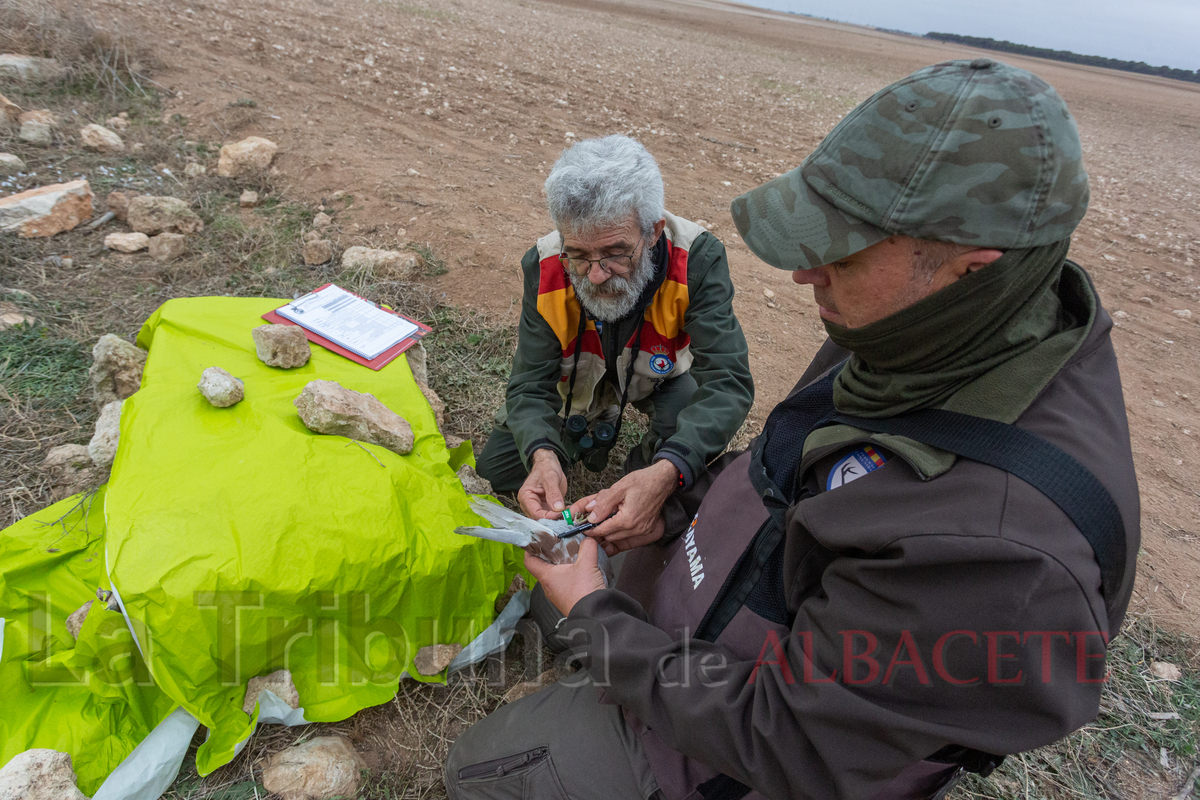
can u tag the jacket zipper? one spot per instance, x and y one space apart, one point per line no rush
498 768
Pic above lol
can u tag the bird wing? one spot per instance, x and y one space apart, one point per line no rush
501 517
506 535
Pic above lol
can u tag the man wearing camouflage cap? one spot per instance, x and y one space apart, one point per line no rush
917 566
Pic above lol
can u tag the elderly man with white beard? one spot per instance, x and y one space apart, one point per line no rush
624 304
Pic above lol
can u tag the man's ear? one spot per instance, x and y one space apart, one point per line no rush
658 229
971 261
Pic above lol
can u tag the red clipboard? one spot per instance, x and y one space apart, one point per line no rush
380 361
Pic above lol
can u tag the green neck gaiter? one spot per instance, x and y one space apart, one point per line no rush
985 345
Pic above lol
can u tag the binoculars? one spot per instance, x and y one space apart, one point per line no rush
593 444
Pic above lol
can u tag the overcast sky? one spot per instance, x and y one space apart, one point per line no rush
1155 31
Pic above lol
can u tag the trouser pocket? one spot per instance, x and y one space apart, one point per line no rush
524 776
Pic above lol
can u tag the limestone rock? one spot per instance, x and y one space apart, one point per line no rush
435 403
127 242
103 446
12 316
518 585
318 769
278 683
390 263
452 441
311 236
281 345
46 210
167 246
246 157
322 220
118 204
547 678
151 215
117 123
116 370
418 362
29 68
471 481
248 199
100 139
75 621
327 407
42 115
1166 671
318 251
39 775
220 388
433 658
70 469
195 169
1183 313
10 164
38 134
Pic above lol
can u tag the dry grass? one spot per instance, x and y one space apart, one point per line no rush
64 31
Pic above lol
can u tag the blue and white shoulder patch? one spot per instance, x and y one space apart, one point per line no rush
862 461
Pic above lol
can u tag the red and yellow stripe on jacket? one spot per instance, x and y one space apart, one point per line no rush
664 351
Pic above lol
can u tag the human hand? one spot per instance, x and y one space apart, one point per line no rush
637 500
541 496
567 584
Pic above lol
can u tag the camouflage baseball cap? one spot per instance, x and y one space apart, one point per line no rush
969 152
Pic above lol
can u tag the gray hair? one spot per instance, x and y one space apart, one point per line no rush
600 182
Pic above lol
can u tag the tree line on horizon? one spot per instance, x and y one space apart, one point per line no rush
1140 67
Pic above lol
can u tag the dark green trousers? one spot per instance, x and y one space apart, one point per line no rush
555 744
500 462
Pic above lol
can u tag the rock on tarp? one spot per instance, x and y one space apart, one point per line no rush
309 544
93 698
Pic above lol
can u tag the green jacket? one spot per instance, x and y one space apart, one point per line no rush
687 325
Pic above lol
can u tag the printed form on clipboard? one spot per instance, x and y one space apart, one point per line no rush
348 321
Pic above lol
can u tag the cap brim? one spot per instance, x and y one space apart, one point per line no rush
788 225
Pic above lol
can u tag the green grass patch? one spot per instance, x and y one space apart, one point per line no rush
40 368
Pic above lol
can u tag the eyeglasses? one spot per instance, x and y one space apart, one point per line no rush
618 265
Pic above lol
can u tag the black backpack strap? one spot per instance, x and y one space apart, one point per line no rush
1043 465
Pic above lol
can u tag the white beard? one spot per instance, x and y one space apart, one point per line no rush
628 289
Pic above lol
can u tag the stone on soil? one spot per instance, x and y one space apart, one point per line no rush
435 403
418 362
248 199
46 210
103 447
75 621
329 408
116 370
12 316
117 123
391 263
282 346
194 169
471 481
278 683
35 133
42 115
127 242
246 157
70 469
318 251
29 68
432 659
10 164
322 220
39 774
1166 671
167 246
220 388
100 139
318 769
150 215
118 204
